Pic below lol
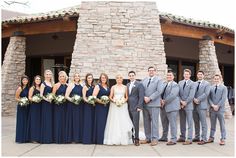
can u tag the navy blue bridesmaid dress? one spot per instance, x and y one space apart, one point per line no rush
101 112
22 119
73 118
46 118
34 120
88 124
60 118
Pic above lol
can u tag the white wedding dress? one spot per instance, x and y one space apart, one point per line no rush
119 126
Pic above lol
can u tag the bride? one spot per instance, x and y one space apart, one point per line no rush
118 129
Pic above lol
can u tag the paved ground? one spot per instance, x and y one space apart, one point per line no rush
10 148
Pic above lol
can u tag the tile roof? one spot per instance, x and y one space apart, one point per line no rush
74 12
52 15
193 22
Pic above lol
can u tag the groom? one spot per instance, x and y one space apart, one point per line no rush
135 102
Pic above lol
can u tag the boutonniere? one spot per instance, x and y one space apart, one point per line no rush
133 86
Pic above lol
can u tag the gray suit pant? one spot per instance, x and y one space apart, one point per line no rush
151 123
213 117
186 115
199 117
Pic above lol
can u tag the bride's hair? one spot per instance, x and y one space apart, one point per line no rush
119 75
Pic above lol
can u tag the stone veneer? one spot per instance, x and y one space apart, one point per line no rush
12 69
209 64
116 37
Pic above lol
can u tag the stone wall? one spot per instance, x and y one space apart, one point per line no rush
12 69
209 64
116 37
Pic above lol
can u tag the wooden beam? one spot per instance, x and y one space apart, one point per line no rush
41 27
194 32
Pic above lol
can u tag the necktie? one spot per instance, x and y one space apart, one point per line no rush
149 82
162 95
130 87
184 84
198 85
216 89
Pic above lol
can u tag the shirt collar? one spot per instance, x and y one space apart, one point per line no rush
132 82
200 81
151 78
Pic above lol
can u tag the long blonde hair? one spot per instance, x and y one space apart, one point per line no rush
52 79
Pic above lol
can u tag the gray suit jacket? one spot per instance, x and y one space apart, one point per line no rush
187 94
136 97
219 97
153 91
171 97
202 94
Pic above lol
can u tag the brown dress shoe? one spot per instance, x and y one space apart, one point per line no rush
196 140
222 142
187 142
154 143
136 142
144 141
210 140
202 142
180 140
170 143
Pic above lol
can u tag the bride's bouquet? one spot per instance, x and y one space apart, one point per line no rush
120 102
50 97
105 99
91 100
36 98
60 99
24 101
76 99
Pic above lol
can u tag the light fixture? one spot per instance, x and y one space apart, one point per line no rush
220 37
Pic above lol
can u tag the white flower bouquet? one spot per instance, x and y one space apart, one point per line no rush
50 97
91 100
76 99
120 102
24 101
59 99
36 98
105 99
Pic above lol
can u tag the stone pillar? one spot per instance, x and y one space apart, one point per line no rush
12 69
209 64
116 37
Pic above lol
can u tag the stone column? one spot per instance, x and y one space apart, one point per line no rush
116 37
12 69
209 64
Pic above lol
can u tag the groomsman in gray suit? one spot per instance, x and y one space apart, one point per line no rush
186 93
217 98
135 102
200 108
153 86
170 102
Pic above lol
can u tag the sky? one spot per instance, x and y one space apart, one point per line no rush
215 11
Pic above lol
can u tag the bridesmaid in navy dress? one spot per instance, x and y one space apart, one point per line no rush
47 109
34 112
73 113
88 124
101 109
22 111
60 110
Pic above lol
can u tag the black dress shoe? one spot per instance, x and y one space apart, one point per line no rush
163 140
196 140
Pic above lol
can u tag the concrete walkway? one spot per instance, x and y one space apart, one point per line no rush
10 148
